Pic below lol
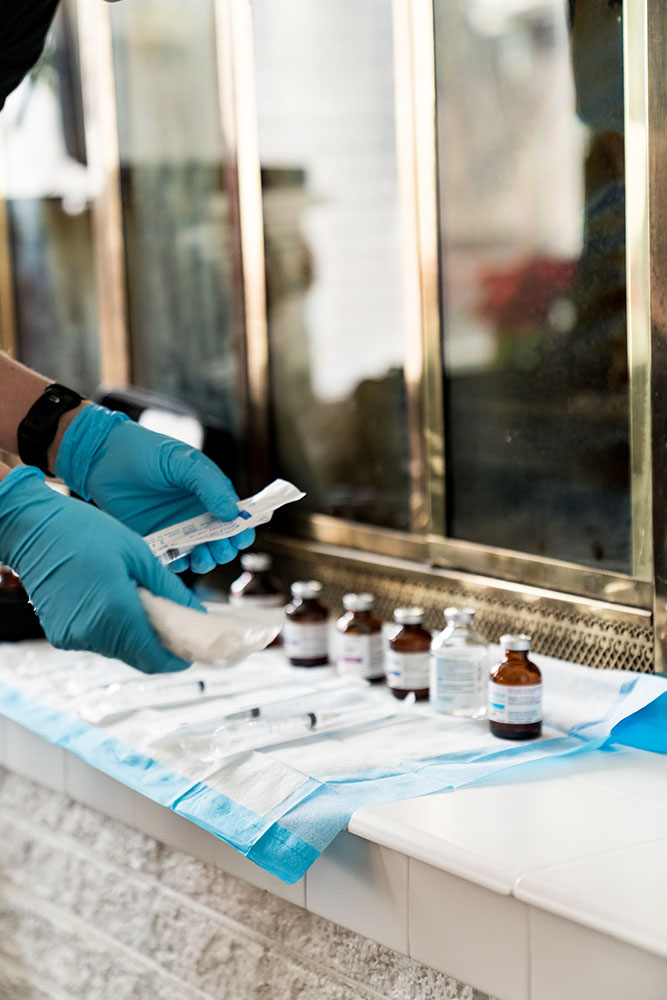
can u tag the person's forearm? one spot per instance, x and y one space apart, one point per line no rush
19 389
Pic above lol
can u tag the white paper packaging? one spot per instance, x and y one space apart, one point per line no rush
224 636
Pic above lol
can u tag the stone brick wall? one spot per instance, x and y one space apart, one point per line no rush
93 910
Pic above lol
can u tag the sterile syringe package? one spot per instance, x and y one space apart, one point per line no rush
180 539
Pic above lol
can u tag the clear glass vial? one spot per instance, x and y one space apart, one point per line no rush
256 587
360 639
306 629
459 666
408 657
515 692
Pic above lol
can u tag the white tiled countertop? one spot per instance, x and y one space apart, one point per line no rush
550 886
580 856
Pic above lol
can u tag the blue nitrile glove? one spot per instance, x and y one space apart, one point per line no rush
81 569
148 481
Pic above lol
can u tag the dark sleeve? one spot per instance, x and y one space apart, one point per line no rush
23 28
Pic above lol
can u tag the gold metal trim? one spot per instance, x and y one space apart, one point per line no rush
656 62
356 537
423 38
99 102
429 576
238 105
415 57
522 568
224 51
406 158
509 569
7 306
638 310
8 342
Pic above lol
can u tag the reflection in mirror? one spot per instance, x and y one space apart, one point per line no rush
532 231
180 426
49 187
325 94
176 209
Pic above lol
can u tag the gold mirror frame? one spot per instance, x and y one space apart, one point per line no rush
645 590
415 104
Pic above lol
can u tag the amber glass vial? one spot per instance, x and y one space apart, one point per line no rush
409 658
515 692
306 630
360 639
10 583
18 619
255 586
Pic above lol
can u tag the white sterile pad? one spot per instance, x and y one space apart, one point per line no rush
282 803
224 636
180 539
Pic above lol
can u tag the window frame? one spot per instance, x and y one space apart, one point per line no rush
645 24
416 139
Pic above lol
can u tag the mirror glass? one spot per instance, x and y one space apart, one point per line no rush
177 220
49 188
325 98
530 145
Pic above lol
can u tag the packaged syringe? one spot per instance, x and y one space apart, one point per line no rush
180 539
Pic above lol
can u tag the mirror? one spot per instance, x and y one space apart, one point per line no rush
530 145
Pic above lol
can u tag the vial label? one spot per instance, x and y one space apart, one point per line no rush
515 705
408 670
257 600
457 680
305 641
360 655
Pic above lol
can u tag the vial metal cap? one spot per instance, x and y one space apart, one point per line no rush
358 602
459 616
255 562
306 588
515 642
409 616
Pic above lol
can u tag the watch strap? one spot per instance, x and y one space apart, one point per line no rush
40 424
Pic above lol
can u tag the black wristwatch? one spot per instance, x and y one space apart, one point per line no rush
40 424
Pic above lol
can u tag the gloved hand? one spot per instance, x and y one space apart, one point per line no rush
81 569
147 481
